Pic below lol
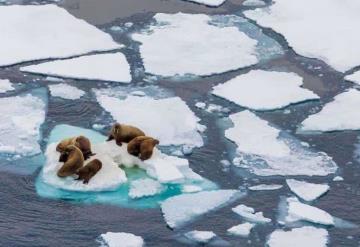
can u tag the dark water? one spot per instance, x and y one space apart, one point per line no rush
28 220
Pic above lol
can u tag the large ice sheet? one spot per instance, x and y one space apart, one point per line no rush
278 154
120 239
31 32
336 38
65 91
299 237
265 90
5 85
103 67
206 49
340 114
169 120
211 3
307 191
355 77
179 210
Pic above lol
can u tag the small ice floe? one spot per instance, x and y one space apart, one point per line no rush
200 105
5 86
62 35
355 77
103 67
336 45
206 50
299 237
307 191
297 211
179 210
253 3
338 178
190 188
65 91
120 239
273 90
340 114
169 120
211 3
145 187
279 152
248 213
200 236
242 230
265 187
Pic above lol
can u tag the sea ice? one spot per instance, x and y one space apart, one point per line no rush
205 50
253 3
279 154
191 188
307 191
20 121
103 67
265 187
273 90
211 3
242 230
336 38
120 239
169 120
5 85
65 91
200 236
355 77
248 213
338 178
299 237
340 114
54 34
144 187
179 210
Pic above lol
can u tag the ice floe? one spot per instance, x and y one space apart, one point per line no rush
307 191
65 91
242 230
265 187
120 239
278 154
338 179
169 120
265 90
207 49
248 213
179 210
200 236
299 237
336 39
54 34
211 3
144 187
253 3
340 114
103 67
5 85
355 77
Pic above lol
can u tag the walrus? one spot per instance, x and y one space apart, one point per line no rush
81 142
142 147
87 172
75 160
124 133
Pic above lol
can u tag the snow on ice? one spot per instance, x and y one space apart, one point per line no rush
355 77
5 85
65 91
307 191
144 187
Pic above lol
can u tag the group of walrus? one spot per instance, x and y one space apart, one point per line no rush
75 150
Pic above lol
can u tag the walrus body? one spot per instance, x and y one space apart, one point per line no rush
142 147
81 142
75 160
87 172
124 133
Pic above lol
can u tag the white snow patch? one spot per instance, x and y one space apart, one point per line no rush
242 230
253 3
181 209
211 3
265 90
54 34
355 77
299 237
65 91
205 50
248 213
307 191
103 67
278 154
265 187
120 239
5 85
200 236
336 38
145 187
340 114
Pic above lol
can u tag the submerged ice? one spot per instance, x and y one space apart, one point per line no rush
278 154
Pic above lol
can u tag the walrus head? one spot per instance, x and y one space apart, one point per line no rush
115 130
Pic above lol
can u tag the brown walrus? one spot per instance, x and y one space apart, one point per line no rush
87 172
124 133
142 147
81 142
74 161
